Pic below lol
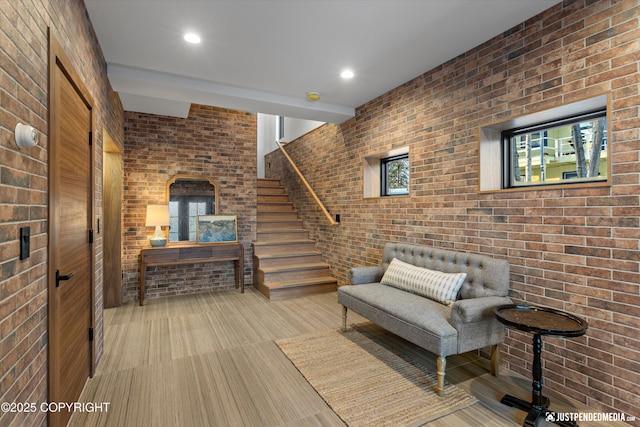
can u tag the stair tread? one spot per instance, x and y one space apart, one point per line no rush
281 207
274 229
277 213
301 282
269 226
282 230
295 267
269 182
281 242
288 254
271 191
277 216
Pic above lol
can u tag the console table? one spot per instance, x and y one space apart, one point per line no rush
539 321
192 254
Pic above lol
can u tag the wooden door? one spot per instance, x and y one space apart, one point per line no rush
70 235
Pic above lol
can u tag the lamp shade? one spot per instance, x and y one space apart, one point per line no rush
157 215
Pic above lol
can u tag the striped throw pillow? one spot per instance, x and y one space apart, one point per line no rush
435 285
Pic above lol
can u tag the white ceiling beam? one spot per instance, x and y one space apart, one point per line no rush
177 90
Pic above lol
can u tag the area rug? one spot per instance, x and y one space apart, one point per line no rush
366 384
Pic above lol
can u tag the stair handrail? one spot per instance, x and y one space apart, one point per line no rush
306 184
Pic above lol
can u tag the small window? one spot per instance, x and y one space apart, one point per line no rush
386 173
394 179
280 129
569 150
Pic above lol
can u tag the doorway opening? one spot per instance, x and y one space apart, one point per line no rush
112 170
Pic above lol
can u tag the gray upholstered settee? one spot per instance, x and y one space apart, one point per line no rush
467 324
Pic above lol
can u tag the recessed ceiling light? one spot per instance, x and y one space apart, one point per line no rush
346 74
192 38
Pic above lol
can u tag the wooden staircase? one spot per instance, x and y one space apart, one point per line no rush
285 261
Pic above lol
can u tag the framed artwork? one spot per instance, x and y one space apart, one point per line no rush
217 228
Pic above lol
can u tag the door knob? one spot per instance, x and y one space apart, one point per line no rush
60 278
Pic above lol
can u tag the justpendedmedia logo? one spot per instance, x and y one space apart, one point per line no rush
588 416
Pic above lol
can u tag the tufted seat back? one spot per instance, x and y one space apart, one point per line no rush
486 276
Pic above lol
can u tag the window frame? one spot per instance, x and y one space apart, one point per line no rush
508 167
371 172
384 175
490 160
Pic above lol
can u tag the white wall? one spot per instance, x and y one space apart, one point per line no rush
266 139
293 128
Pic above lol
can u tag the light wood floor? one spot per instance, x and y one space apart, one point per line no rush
210 360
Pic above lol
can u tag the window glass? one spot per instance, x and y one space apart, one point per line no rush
183 213
395 175
195 209
565 151
174 220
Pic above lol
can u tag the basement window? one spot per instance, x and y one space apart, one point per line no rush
567 145
394 176
570 150
387 174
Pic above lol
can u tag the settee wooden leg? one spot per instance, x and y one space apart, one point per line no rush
344 318
441 366
495 359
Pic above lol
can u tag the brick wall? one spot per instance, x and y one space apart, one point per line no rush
572 249
215 142
24 185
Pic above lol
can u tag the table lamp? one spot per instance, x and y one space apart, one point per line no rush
158 216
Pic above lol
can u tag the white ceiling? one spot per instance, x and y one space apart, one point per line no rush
265 55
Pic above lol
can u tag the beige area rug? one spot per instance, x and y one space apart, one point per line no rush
368 385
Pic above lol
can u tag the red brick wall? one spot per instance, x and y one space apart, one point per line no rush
215 142
572 249
24 185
